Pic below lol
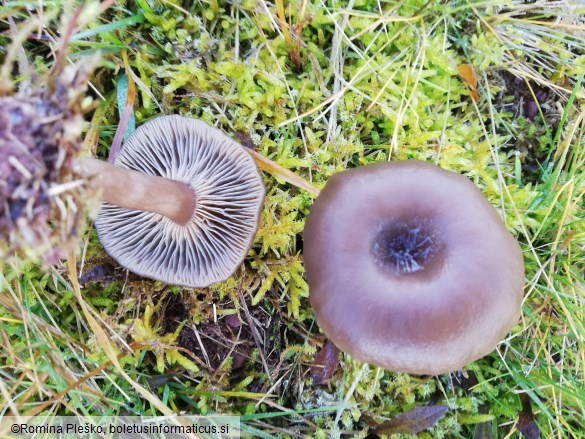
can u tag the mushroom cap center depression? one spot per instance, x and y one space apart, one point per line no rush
408 246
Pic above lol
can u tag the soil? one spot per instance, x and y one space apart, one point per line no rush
216 340
231 336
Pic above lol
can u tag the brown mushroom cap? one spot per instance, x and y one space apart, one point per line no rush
410 268
228 192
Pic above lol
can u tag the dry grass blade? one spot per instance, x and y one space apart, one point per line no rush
38 357
15 46
284 174
68 31
533 40
75 384
283 24
93 133
255 333
105 343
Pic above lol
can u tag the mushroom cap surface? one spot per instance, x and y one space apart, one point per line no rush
410 268
229 195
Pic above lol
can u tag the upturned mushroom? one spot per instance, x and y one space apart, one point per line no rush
410 268
181 204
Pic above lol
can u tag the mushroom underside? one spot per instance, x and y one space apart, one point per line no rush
228 190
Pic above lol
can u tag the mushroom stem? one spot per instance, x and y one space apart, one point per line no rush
138 191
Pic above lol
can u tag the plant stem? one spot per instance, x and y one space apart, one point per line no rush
138 191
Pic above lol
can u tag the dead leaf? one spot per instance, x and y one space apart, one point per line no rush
325 363
467 72
245 139
526 423
414 421
97 273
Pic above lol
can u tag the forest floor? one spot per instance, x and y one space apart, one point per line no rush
492 90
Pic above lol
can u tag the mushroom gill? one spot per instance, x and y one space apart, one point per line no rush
182 202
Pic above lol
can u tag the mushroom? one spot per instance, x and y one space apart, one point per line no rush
410 268
182 202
